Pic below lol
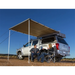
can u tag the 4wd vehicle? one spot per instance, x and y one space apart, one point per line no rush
57 39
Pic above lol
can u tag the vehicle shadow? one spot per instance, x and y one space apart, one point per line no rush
68 61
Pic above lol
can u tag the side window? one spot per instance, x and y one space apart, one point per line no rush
28 44
46 40
61 40
35 42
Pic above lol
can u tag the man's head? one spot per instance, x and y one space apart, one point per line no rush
50 45
35 46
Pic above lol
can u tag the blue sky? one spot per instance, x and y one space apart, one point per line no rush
62 20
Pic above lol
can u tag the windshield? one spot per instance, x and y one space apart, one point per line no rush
61 40
28 44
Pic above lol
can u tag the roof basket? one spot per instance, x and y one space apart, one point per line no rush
58 34
61 35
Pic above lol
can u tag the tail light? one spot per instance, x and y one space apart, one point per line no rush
57 46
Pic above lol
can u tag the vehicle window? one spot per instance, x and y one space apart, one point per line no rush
61 40
46 40
35 42
28 44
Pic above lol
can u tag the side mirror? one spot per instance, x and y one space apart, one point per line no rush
24 46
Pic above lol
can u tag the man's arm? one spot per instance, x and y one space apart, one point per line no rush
32 50
37 50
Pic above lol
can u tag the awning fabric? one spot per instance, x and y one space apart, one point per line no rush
36 29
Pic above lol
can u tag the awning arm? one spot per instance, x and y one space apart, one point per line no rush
8 45
28 39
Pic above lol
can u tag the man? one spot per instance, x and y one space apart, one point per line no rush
42 55
34 51
45 52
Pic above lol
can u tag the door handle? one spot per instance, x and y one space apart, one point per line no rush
29 47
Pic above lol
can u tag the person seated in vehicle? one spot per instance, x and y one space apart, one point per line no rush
44 52
34 51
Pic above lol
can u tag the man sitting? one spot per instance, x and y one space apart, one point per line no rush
34 51
45 52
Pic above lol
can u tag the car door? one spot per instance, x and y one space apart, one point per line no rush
26 49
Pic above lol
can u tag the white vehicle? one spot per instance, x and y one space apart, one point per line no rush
62 48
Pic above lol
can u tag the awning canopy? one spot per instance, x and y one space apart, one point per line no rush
36 29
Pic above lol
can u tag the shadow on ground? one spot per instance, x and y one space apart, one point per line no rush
67 61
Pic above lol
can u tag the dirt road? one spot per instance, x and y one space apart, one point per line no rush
17 62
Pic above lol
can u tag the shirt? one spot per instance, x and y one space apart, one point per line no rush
35 50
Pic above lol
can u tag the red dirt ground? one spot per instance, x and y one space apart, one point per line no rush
17 62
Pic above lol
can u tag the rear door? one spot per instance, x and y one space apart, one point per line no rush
62 44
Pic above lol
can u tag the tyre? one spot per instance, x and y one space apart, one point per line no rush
19 55
58 59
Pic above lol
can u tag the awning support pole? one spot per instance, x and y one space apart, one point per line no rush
8 45
28 39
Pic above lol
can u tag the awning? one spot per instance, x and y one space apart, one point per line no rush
36 29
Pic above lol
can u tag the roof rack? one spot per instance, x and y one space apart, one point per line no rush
58 34
62 35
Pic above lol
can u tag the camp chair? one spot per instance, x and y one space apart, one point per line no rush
50 56
35 57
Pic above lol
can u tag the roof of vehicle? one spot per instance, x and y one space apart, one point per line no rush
36 29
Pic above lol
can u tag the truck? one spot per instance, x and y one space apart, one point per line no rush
55 39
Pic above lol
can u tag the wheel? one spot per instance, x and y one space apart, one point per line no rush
58 59
19 55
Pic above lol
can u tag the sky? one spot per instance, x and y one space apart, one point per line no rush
62 20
